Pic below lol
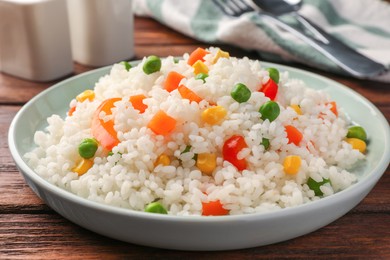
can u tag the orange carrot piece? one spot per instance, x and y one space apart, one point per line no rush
162 124
71 111
172 81
294 135
137 102
188 94
196 55
333 107
213 208
104 132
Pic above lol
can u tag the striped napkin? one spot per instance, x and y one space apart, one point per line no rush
362 24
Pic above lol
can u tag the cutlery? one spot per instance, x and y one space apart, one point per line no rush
345 57
281 7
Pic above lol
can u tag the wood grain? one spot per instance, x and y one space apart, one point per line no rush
31 230
52 236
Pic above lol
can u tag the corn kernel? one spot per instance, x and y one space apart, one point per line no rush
87 94
163 159
213 115
220 54
292 164
206 162
357 144
297 109
200 67
83 166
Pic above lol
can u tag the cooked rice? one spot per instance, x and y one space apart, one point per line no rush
129 178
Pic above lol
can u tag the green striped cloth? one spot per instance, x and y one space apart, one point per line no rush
362 24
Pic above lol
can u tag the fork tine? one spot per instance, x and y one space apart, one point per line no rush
233 7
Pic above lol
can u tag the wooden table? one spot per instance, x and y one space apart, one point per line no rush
30 229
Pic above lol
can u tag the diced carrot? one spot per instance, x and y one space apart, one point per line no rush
196 55
71 111
333 107
188 94
162 124
172 81
137 102
104 132
294 135
213 208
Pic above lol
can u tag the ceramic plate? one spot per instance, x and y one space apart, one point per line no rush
195 232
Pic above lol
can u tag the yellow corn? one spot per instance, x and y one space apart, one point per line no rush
357 144
87 94
213 115
200 67
292 164
297 109
220 54
206 162
83 166
162 159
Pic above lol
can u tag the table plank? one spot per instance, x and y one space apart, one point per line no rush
53 236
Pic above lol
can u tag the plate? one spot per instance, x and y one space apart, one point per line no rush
196 232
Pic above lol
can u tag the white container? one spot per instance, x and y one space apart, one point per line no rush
34 39
101 31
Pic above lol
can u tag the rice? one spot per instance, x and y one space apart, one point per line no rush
129 178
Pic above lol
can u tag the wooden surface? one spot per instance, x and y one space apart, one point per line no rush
31 230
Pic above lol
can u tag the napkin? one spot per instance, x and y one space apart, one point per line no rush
362 24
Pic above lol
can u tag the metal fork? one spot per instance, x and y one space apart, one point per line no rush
345 57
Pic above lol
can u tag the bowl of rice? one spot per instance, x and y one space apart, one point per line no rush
201 152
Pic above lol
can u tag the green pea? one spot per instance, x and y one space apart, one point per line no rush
88 147
269 110
202 76
273 74
126 65
265 142
357 132
315 186
240 93
152 64
155 207
175 60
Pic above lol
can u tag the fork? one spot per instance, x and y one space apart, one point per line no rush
345 57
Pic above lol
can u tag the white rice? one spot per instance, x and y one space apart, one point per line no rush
129 178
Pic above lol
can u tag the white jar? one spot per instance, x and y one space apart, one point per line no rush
34 39
101 31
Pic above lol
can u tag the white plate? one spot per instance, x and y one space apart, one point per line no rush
200 233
